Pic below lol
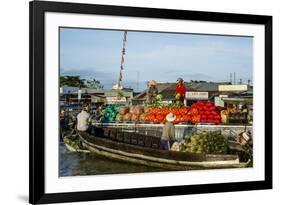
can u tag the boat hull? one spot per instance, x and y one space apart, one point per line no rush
169 160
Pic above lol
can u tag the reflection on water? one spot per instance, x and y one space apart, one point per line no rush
78 164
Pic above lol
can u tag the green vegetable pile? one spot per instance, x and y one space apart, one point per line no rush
110 112
205 142
157 101
76 144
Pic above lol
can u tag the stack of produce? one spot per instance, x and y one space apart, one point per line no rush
157 101
183 114
207 111
200 112
76 144
133 113
109 113
205 142
156 115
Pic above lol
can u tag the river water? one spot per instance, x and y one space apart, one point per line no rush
79 164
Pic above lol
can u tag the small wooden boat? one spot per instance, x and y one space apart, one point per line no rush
149 156
71 148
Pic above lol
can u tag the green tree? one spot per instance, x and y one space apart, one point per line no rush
74 81
94 84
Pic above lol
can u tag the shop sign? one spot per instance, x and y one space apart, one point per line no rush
219 102
114 100
233 87
197 95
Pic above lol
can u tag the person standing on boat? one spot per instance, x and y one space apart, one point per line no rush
168 135
83 119
180 90
151 92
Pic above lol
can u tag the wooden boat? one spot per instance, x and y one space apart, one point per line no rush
170 160
70 148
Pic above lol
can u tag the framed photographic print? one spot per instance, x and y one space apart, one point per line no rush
130 102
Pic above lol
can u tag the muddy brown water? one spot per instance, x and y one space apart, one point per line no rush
81 164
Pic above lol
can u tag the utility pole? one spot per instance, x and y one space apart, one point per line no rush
138 78
234 78
122 60
231 78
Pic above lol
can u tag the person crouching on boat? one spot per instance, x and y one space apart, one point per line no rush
83 119
168 135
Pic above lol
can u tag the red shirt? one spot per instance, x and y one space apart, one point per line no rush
181 89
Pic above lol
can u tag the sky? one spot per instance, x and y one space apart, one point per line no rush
163 57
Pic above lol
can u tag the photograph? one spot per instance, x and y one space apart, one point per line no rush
132 102
136 101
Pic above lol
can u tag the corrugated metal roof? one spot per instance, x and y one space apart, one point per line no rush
168 89
203 86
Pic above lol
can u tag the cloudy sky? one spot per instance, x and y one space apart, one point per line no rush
163 57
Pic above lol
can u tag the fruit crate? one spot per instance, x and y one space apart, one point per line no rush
127 137
141 140
134 139
120 136
113 133
155 142
148 141
106 132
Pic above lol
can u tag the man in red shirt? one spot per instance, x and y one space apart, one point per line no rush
180 90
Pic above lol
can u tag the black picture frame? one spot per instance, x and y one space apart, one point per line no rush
37 85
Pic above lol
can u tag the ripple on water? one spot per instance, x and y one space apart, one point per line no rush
79 164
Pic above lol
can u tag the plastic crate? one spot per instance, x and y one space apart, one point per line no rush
155 142
127 137
134 139
141 139
120 136
106 132
148 141
113 133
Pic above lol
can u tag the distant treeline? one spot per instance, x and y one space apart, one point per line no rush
75 81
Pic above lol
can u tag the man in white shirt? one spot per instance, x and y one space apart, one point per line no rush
83 119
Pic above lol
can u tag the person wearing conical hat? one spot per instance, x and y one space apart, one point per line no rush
151 92
168 135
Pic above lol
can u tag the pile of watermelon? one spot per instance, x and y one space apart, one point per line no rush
208 112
